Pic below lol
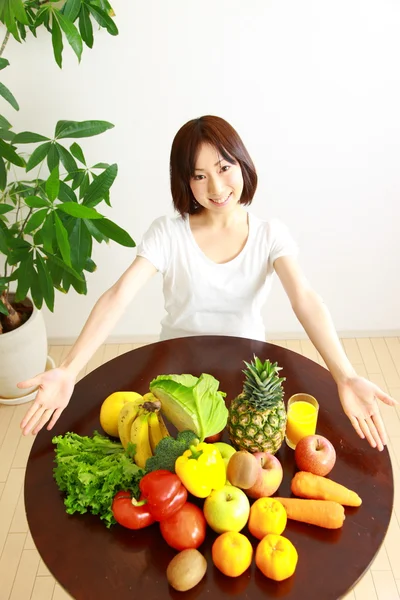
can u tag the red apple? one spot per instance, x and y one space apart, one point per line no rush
316 454
269 478
217 437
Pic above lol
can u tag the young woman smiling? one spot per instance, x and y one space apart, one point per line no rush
218 261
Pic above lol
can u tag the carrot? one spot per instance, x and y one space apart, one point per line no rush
323 513
308 485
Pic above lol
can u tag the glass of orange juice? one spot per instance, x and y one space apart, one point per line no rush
302 415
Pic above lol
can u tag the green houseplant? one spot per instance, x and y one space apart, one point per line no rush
49 197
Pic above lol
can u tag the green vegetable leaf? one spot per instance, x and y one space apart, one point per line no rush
192 403
91 470
71 33
80 129
7 95
53 185
114 232
27 137
62 240
38 155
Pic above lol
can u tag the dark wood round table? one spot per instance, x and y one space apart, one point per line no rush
95 563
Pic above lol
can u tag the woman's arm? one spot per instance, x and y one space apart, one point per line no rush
357 395
56 386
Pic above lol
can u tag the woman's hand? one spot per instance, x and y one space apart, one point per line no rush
359 401
55 390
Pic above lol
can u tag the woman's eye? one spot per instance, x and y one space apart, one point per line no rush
198 177
225 168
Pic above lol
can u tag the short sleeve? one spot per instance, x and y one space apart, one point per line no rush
156 244
281 241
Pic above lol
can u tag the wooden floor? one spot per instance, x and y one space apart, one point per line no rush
24 576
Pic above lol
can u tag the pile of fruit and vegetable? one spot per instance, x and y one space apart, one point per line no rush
187 483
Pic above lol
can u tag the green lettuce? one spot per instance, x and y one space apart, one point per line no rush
192 403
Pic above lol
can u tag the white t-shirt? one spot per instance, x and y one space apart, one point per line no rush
206 298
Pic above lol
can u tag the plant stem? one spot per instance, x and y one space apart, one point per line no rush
4 44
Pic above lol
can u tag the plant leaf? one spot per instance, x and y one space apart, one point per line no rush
71 9
3 63
90 265
84 186
67 159
27 137
56 38
57 261
35 220
103 19
7 95
36 292
7 135
71 33
7 151
76 151
45 282
47 232
100 186
114 232
86 27
3 174
53 158
4 124
80 129
24 277
53 184
81 245
94 232
9 19
19 12
62 240
66 194
38 155
100 166
79 211
36 202
5 208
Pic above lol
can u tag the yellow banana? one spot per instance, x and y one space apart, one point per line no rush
126 417
149 397
163 427
155 433
140 437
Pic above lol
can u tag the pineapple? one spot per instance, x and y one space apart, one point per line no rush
257 417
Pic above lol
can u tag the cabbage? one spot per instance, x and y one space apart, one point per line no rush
192 403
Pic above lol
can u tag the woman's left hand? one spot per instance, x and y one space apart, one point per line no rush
359 401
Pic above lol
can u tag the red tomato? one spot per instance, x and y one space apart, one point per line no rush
129 515
186 528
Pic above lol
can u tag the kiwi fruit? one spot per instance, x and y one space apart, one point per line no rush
186 570
243 469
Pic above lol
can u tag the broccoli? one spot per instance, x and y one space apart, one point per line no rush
168 450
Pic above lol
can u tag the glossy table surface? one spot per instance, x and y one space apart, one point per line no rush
95 563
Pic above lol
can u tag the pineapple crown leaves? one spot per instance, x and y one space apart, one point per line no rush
263 386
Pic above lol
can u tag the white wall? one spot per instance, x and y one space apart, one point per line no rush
313 88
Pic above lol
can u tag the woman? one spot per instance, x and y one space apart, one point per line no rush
217 261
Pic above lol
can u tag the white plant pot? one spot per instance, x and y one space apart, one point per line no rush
23 354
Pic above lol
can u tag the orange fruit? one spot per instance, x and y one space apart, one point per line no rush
232 553
276 557
267 515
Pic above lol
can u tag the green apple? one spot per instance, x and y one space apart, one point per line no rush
226 451
227 509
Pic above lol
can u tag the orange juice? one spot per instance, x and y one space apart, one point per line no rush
301 421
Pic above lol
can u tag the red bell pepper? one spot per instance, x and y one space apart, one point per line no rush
164 493
129 512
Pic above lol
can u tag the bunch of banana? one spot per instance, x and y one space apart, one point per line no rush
140 422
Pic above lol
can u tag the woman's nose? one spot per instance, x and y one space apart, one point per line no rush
214 186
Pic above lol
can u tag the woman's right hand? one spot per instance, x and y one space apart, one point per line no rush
55 389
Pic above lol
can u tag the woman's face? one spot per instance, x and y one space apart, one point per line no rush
216 184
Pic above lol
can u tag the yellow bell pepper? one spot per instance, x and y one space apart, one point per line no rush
201 469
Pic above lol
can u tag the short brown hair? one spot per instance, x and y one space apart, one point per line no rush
186 145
